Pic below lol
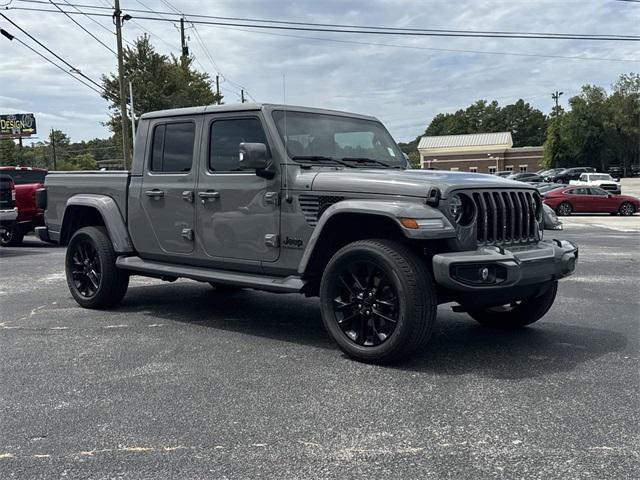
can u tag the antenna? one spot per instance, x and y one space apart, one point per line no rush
286 140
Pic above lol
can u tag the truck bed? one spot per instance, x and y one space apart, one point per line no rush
63 185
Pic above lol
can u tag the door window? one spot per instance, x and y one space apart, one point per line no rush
172 149
598 191
225 139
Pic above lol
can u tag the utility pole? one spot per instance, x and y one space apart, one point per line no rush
117 17
133 116
183 42
556 96
53 145
242 95
218 88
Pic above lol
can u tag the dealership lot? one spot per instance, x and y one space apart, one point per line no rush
183 382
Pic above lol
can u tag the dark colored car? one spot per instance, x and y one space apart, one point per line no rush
568 174
566 201
27 181
504 173
526 177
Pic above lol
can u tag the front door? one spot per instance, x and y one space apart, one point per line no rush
167 187
237 212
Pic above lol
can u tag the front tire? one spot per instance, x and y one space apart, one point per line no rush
517 314
627 209
12 237
564 209
378 301
90 264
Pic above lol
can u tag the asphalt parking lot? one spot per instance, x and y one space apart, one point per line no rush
184 382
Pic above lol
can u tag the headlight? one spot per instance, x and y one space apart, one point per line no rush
456 208
462 209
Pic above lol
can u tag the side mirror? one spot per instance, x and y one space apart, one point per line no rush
609 195
253 156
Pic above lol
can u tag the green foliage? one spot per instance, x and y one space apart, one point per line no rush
600 129
159 82
8 152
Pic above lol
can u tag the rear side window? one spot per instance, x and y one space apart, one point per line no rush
225 139
172 149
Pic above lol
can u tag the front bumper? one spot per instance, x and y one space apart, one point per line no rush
493 268
8 215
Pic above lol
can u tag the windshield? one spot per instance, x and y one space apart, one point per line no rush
603 176
316 137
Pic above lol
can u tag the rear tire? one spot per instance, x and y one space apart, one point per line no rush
518 314
564 209
12 237
627 209
378 301
93 278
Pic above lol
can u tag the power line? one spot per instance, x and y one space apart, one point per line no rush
73 69
82 27
13 37
244 28
349 28
417 47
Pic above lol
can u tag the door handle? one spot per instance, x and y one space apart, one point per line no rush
154 193
205 196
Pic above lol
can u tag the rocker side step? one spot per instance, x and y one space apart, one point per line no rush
291 284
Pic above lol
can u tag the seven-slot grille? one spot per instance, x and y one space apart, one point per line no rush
506 216
313 206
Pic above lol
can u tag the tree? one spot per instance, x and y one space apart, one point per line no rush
159 82
8 152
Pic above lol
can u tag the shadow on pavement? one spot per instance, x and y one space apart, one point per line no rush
458 346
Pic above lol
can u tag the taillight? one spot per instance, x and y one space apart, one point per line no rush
13 195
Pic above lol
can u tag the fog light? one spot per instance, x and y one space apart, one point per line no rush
479 274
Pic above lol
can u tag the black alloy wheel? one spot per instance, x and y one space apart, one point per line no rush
365 303
92 276
378 300
11 236
85 268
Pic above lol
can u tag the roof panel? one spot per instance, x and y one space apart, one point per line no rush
468 140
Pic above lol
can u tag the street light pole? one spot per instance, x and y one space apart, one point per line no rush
117 18
556 96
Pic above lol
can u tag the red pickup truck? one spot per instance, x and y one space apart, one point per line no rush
27 181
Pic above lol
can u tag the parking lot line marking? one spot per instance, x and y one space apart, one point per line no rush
6 455
116 326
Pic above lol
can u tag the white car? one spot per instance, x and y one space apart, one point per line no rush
602 180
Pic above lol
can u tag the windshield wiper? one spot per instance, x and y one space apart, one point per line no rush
366 160
320 159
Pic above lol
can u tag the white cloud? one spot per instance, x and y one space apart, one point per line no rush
404 87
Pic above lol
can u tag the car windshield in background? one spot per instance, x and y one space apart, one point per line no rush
324 139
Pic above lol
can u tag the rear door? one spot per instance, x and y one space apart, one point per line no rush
237 212
168 182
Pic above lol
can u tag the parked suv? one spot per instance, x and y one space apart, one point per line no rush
292 199
568 174
27 182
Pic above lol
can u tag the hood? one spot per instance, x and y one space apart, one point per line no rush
412 183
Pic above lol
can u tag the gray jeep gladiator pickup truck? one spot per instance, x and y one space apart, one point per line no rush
291 199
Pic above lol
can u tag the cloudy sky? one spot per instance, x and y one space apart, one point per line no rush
404 81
